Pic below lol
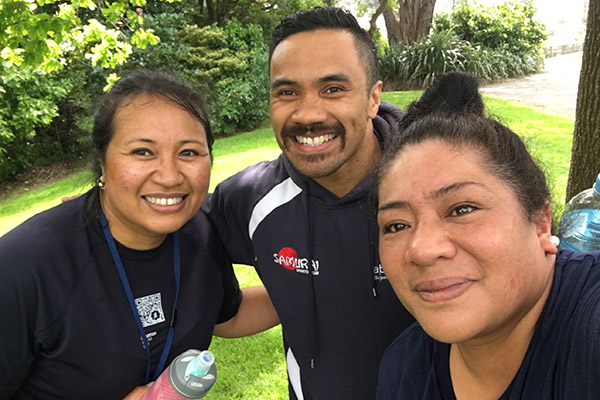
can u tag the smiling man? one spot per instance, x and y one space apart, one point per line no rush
304 220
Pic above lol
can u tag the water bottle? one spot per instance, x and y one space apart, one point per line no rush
580 224
190 376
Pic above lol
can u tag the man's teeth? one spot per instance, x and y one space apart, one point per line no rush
314 141
163 201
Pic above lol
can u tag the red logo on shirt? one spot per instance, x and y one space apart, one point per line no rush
288 258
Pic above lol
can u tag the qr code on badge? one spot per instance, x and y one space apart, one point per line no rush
150 309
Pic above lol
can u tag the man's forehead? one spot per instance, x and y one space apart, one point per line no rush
318 38
323 55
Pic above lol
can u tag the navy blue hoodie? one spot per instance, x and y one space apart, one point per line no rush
317 256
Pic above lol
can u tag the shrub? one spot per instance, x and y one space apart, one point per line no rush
493 43
230 65
28 102
412 67
510 27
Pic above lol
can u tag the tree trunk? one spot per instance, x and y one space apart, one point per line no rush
585 155
415 19
373 23
211 14
410 23
392 26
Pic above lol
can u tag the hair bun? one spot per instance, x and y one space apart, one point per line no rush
450 93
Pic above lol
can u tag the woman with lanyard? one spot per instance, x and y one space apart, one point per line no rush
99 294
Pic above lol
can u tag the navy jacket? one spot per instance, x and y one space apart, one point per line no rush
317 256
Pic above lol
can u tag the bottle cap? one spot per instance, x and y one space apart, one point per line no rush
193 385
200 365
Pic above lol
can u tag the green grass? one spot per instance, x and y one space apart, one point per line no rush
32 201
254 367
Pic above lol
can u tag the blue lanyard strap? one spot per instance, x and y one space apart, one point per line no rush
131 300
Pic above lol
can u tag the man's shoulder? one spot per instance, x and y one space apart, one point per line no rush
254 180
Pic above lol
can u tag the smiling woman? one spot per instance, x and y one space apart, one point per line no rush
464 227
155 172
91 288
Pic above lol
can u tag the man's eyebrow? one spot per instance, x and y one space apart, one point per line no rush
282 82
324 79
334 78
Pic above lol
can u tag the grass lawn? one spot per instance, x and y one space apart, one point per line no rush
254 367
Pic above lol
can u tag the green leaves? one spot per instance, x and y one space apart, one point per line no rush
509 27
41 33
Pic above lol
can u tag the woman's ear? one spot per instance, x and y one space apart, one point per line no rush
544 230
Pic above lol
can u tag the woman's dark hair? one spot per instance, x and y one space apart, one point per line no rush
153 83
335 19
451 110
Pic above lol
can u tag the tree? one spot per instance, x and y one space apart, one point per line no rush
51 53
40 33
265 13
409 22
585 155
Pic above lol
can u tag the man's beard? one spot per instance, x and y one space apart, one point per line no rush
308 164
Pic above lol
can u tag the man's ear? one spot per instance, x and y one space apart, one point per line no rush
375 99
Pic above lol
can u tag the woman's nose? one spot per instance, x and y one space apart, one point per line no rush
168 173
429 242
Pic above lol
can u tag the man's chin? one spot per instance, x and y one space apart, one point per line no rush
314 165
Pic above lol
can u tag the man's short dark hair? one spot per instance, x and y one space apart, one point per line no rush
330 18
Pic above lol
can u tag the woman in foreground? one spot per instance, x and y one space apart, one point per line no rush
465 219
100 293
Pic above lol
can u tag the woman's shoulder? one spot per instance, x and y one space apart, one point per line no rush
408 366
200 233
576 273
48 231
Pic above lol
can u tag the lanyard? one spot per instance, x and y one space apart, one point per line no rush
130 299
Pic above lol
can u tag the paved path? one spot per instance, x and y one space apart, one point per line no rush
554 90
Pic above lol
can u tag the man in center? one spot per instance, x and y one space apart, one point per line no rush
304 220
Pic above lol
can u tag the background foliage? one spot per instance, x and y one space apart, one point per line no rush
492 42
59 55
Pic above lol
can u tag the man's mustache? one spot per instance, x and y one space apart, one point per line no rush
317 129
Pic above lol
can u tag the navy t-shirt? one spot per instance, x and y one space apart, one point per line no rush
561 362
67 329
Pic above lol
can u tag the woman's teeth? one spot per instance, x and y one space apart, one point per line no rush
164 201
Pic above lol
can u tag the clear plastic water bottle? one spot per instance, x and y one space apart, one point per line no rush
580 224
190 376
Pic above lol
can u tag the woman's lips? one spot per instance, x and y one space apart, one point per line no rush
443 289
